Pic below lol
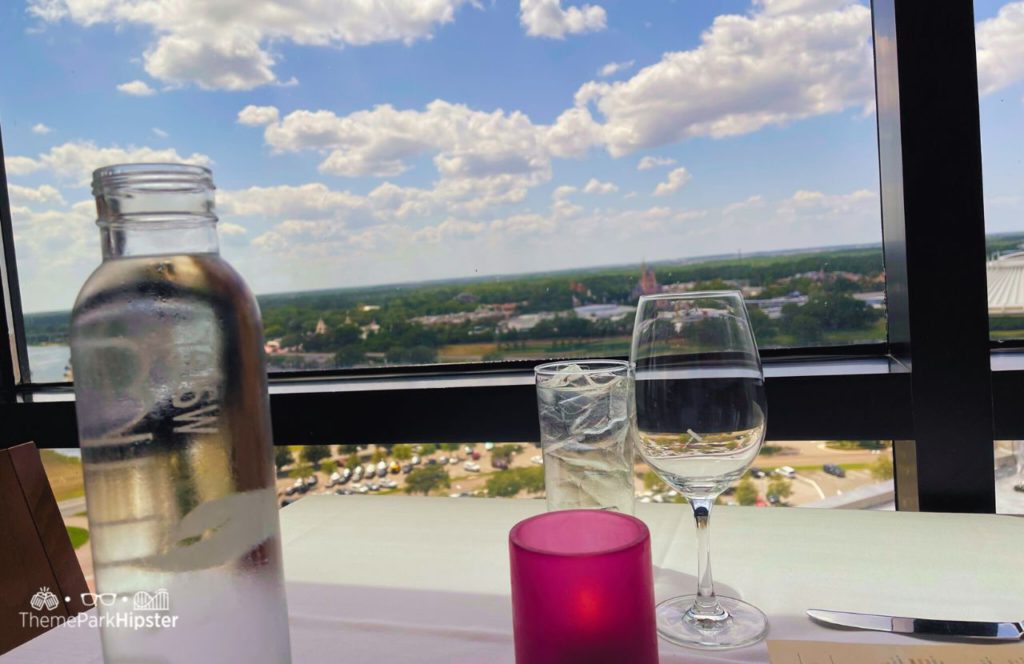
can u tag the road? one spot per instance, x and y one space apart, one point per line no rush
71 507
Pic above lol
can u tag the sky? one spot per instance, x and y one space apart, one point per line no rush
385 141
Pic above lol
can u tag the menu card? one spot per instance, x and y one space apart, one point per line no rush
824 652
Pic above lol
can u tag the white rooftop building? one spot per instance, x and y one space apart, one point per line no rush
1006 284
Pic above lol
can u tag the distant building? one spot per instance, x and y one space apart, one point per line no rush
773 306
1006 284
466 298
874 299
526 321
604 311
367 330
369 307
321 327
648 282
272 347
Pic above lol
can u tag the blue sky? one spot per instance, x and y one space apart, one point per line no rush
419 139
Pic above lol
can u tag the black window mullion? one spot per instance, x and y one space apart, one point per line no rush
934 236
13 352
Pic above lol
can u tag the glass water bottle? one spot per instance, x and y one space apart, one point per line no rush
174 426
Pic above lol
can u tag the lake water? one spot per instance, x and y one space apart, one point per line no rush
47 363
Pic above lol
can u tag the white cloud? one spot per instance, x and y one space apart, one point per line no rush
257 116
76 160
755 201
41 129
595 186
562 192
307 201
1000 41
228 229
647 163
43 194
228 48
785 60
677 178
21 165
136 88
160 133
613 68
482 158
547 18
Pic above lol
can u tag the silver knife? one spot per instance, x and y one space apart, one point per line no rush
963 629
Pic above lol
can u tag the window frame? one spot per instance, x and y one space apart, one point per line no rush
929 386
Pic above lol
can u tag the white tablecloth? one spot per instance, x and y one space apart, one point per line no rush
425 580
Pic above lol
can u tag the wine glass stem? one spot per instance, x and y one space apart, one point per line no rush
706 605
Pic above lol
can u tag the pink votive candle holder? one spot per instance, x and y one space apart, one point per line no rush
583 589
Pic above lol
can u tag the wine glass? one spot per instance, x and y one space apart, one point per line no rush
701 415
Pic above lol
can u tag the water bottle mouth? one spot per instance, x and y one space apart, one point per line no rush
127 179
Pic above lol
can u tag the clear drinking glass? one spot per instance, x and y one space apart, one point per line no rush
586 433
701 416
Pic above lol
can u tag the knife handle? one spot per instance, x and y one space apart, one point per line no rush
959 628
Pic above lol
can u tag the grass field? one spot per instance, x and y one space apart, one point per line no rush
79 536
64 473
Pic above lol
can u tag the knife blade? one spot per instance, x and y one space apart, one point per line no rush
964 629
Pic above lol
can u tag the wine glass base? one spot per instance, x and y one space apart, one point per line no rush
744 625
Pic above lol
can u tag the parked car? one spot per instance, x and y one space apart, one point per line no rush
362 488
371 472
311 481
416 460
335 478
475 455
834 469
293 489
431 462
406 469
357 474
539 460
471 467
374 487
786 471
443 461
394 468
346 475
382 468
467 449
389 484
285 502
453 461
488 446
757 473
343 492
500 464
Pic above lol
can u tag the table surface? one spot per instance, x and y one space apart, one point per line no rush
425 580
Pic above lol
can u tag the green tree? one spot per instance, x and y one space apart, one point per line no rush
313 454
504 484
329 466
352 462
746 491
780 487
427 478
282 457
426 449
378 456
450 447
882 469
505 451
401 452
651 481
532 478
300 470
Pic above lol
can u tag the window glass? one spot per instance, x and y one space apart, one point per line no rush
835 473
1000 40
1009 462
468 181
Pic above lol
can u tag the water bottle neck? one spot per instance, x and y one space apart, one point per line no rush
155 209
139 238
